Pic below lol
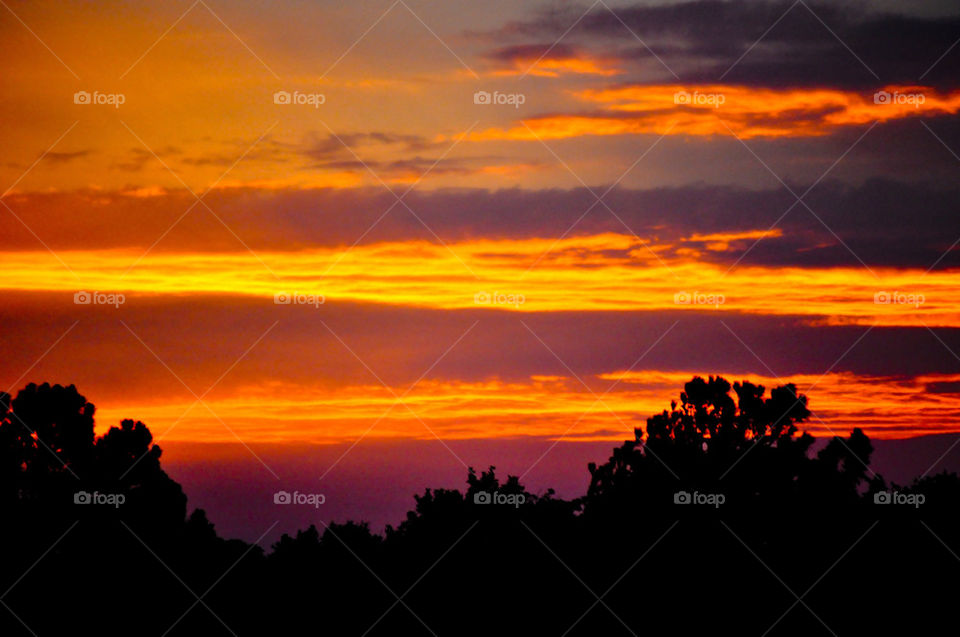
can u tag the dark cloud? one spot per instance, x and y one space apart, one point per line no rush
400 343
945 387
528 52
66 157
325 148
883 222
416 166
362 153
701 40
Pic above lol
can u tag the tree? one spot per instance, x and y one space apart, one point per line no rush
746 448
468 563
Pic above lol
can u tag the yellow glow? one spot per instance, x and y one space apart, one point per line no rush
591 273
540 406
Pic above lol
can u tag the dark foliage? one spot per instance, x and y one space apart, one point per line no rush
718 517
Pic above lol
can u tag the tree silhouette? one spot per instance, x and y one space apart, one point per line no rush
801 544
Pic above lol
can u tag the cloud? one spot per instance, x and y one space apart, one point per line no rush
944 387
323 148
66 157
516 276
884 222
723 110
547 60
773 44
266 150
301 382
377 152
137 158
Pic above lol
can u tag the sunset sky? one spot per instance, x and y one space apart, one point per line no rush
492 220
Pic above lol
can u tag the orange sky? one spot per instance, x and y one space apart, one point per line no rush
552 407
538 275
131 196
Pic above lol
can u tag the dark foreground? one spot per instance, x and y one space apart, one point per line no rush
718 518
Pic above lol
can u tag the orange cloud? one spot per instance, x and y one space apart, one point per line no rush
549 61
540 406
554 67
720 241
719 110
582 273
